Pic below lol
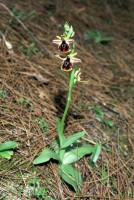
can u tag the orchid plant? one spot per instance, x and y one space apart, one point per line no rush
67 150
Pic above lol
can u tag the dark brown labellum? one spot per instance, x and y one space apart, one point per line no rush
67 65
64 47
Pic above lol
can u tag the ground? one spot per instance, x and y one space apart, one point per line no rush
33 92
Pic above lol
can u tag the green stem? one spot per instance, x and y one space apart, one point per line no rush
62 122
68 101
67 107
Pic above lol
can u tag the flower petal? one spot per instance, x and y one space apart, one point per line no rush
58 56
75 60
69 41
58 37
57 42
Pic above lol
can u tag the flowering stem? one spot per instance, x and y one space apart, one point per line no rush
67 107
71 84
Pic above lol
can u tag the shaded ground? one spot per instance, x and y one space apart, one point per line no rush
109 69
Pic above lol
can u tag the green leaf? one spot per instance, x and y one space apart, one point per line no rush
40 193
97 36
2 94
108 122
55 145
98 110
104 175
34 181
14 10
102 39
21 100
28 100
72 138
99 117
71 176
32 44
75 153
95 155
6 154
8 145
45 156
114 184
36 119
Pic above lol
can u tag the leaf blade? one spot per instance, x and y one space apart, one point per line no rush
95 155
8 145
70 175
6 154
76 153
73 138
45 156
108 122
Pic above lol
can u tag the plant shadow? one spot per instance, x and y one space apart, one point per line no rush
60 104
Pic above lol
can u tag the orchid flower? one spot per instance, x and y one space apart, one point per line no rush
63 44
67 63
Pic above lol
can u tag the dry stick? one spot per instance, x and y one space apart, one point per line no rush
26 29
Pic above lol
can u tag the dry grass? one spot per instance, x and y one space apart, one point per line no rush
109 71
